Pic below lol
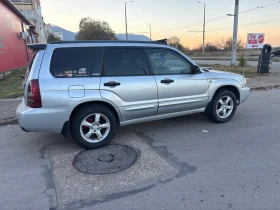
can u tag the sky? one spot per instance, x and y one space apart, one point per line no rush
171 17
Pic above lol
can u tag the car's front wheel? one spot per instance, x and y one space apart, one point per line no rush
223 107
93 126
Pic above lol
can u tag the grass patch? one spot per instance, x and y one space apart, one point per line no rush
248 70
11 86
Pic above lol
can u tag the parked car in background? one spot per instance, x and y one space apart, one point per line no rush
91 87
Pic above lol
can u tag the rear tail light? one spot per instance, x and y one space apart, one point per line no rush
33 94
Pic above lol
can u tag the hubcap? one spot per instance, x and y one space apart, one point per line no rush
224 107
95 127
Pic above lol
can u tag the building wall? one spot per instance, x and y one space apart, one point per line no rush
39 21
32 10
13 51
48 30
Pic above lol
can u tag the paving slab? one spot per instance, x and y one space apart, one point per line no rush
75 188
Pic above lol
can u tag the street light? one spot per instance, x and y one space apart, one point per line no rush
150 30
126 17
203 27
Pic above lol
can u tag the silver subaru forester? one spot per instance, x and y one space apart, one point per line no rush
88 88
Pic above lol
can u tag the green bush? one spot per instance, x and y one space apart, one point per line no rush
242 60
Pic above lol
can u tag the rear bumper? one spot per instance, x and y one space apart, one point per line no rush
43 119
244 94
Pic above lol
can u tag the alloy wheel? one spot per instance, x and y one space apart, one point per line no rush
95 127
224 107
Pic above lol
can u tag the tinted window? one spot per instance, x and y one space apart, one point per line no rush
168 62
125 62
72 62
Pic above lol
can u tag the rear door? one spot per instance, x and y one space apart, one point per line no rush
178 88
128 84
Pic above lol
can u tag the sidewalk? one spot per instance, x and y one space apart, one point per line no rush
265 81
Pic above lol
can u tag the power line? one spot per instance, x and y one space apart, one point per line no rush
247 24
222 17
267 2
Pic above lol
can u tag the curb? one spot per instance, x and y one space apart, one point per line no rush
265 88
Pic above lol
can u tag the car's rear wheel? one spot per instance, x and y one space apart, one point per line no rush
93 126
223 107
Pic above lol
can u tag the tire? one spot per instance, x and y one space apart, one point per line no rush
266 66
265 71
267 49
88 115
265 57
266 61
222 94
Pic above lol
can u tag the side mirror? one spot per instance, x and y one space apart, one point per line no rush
196 69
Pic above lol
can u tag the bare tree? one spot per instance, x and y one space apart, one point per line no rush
226 44
174 41
90 29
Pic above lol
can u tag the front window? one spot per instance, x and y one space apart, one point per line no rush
168 62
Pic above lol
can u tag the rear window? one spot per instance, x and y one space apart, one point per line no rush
72 62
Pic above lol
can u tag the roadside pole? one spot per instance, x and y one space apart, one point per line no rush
235 31
245 56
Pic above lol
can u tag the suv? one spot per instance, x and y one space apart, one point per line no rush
91 87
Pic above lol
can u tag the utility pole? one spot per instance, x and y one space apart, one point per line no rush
235 31
150 31
203 41
126 18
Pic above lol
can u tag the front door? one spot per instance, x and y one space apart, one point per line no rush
128 84
178 88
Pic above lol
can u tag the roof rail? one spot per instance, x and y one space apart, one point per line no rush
163 41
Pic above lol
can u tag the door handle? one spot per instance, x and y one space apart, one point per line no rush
167 81
112 84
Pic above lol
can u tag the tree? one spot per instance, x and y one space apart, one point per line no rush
174 41
90 29
210 47
226 44
52 38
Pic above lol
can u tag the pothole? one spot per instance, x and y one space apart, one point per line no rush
106 160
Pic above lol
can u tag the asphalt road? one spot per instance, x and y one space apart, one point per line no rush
275 65
221 166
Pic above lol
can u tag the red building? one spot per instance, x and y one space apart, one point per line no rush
15 33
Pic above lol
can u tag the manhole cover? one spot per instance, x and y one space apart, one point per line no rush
106 160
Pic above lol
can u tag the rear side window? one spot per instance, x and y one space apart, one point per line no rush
126 62
72 62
